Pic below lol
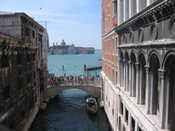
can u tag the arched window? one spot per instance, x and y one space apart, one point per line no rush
121 66
133 75
126 67
4 61
154 66
19 59
142 76
6 93
170 84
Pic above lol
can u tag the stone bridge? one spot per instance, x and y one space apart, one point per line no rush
91 87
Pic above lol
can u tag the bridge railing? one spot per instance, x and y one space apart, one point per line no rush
74 83
81 83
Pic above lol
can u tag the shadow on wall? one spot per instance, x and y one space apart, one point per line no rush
2 128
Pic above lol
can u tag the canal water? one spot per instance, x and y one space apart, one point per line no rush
67 112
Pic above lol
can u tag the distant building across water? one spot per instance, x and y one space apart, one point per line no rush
69 49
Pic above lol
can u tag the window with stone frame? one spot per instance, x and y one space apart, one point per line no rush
6 93
19 59
27 31
33 34
4 61
39 37
114 8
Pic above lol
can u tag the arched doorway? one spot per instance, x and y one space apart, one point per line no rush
142 76
155 91
170 85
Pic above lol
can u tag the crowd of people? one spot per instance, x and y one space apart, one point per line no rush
55 80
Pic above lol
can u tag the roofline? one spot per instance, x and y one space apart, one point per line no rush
25 15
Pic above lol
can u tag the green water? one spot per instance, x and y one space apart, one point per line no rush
73 64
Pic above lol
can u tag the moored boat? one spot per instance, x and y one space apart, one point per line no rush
91 105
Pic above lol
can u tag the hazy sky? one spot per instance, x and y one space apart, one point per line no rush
75 21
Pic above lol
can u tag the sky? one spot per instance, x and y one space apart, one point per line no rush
76 21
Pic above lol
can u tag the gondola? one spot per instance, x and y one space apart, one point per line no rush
91 105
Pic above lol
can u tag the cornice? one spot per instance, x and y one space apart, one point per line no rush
158 11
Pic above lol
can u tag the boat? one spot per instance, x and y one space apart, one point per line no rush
91 105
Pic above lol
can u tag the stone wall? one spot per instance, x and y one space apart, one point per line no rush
23 71
16 86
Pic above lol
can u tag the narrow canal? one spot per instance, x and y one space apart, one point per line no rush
67 112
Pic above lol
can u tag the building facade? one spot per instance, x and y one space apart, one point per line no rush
23 68
146 50
109 60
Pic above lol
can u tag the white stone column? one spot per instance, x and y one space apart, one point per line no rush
141 4
130 78
127 75
130 8
140 84
164 99
126 9
119 11
133 80
151 79
148 88
137 82
124 78
121 73
136 126
134 7
148 2
129 122
124 113
138 5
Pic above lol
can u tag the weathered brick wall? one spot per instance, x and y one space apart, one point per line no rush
109 42
108 18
